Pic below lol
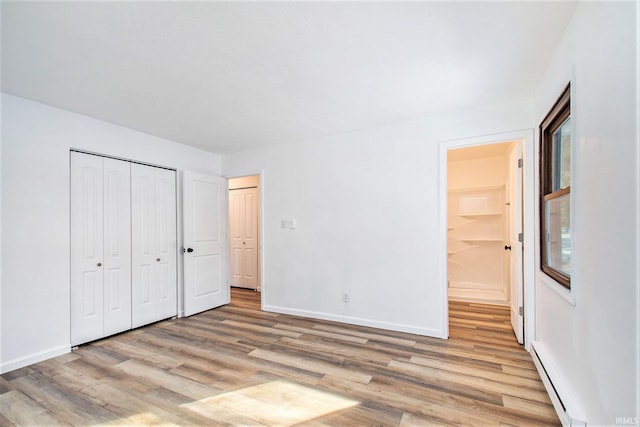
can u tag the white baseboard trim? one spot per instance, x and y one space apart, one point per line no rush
436 333
560 392
30 359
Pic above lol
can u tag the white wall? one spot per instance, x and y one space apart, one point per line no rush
593 345
367 212
35 215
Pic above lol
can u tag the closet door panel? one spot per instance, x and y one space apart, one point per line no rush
250 278
236 229
143 277
154 280
166 243
87 299
117 246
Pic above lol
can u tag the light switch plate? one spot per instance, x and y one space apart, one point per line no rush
288 223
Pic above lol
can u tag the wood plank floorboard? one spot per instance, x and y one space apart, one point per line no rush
239 366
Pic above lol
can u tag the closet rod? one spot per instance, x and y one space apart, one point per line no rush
244 188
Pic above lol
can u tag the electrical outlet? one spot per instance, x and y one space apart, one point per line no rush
345 297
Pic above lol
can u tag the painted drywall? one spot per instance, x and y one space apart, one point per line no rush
35 215
593 345
478 173
366 210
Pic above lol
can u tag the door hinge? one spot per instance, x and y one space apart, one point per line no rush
521 311
520 238
519 163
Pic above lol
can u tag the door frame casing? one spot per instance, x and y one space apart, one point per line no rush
260 174
525 137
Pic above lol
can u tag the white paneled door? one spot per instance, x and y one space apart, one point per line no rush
205 237
243 225
117 246
153 246
515 255
100 247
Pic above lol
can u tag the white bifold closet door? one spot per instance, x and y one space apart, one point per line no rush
123 246
243 225
100 247
153 225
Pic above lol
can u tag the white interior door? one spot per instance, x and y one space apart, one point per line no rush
205 255
515 258
87 301
243 224
153 245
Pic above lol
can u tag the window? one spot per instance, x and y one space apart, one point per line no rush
555 191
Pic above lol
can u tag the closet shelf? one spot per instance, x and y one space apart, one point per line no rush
459 264
476 236
457 245
455 221
455 251
476 214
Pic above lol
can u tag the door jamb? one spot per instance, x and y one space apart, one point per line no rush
239 174
526 138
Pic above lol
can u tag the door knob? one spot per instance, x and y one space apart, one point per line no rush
158 259
507 248
99 264
189 250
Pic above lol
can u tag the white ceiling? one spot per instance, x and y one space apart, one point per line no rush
231 76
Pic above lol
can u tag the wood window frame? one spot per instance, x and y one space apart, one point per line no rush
560 111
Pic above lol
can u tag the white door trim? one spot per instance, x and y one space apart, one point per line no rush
526 138
260 173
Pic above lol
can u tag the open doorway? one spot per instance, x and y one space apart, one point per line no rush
484 245
244 235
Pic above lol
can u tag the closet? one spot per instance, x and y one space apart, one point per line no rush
123 246
476 236
477 227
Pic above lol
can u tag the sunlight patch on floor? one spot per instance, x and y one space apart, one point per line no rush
276 403
141 419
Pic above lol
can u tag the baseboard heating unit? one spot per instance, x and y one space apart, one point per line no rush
563 400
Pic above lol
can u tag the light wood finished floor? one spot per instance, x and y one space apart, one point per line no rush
237 365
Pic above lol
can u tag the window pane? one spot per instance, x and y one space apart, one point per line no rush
558 239
561 156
